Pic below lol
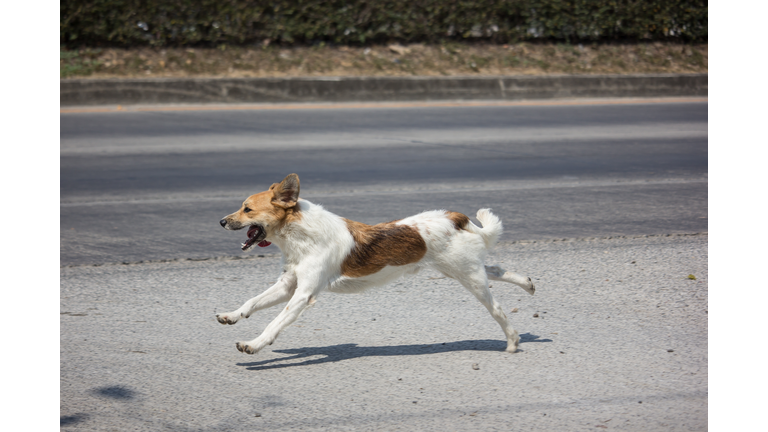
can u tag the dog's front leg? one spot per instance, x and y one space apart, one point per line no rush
304 297
278 293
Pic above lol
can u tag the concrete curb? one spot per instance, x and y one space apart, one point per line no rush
81 92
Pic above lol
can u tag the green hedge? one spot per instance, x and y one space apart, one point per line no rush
213 22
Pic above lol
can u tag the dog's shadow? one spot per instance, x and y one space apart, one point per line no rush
336 353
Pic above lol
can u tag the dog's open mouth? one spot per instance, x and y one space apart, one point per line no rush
256 235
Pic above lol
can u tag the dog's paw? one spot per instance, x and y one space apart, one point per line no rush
244 347
511 347
530 289
228 318
512 343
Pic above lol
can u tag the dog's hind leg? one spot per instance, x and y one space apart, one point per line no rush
477 283
499 274
280 292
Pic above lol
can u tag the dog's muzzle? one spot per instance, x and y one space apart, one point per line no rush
256 234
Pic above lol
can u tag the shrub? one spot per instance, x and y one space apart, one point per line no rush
214 22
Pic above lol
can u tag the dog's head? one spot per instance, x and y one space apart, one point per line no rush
265 212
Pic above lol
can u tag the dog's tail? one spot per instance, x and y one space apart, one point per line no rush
491 229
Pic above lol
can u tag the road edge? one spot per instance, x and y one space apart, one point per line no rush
153 91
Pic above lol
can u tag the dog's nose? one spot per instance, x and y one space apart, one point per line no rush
223 222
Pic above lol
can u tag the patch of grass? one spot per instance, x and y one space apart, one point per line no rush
569 49
67 55
136 63
452 47
78 63
511 60
481 61
697 59
602 58
379 63
406 65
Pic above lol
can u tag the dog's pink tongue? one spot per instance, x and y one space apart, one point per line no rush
264 243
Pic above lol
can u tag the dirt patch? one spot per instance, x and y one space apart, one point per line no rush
390 60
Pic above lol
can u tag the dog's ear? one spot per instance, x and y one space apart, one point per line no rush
286 194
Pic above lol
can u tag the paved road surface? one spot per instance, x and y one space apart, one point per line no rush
153 185
620 341
141 350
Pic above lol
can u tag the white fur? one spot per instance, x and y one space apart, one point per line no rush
315 248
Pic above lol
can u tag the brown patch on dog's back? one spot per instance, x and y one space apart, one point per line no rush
381 245
459 220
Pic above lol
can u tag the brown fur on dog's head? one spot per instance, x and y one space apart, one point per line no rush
269 210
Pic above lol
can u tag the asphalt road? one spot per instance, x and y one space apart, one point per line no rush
615 338
152 185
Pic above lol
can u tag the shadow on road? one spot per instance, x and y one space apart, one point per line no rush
338 353
72 419
115 392
118 392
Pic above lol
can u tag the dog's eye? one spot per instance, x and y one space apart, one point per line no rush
246 210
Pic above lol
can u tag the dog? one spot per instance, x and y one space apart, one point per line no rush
325 252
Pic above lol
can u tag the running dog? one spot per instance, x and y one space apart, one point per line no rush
323 251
